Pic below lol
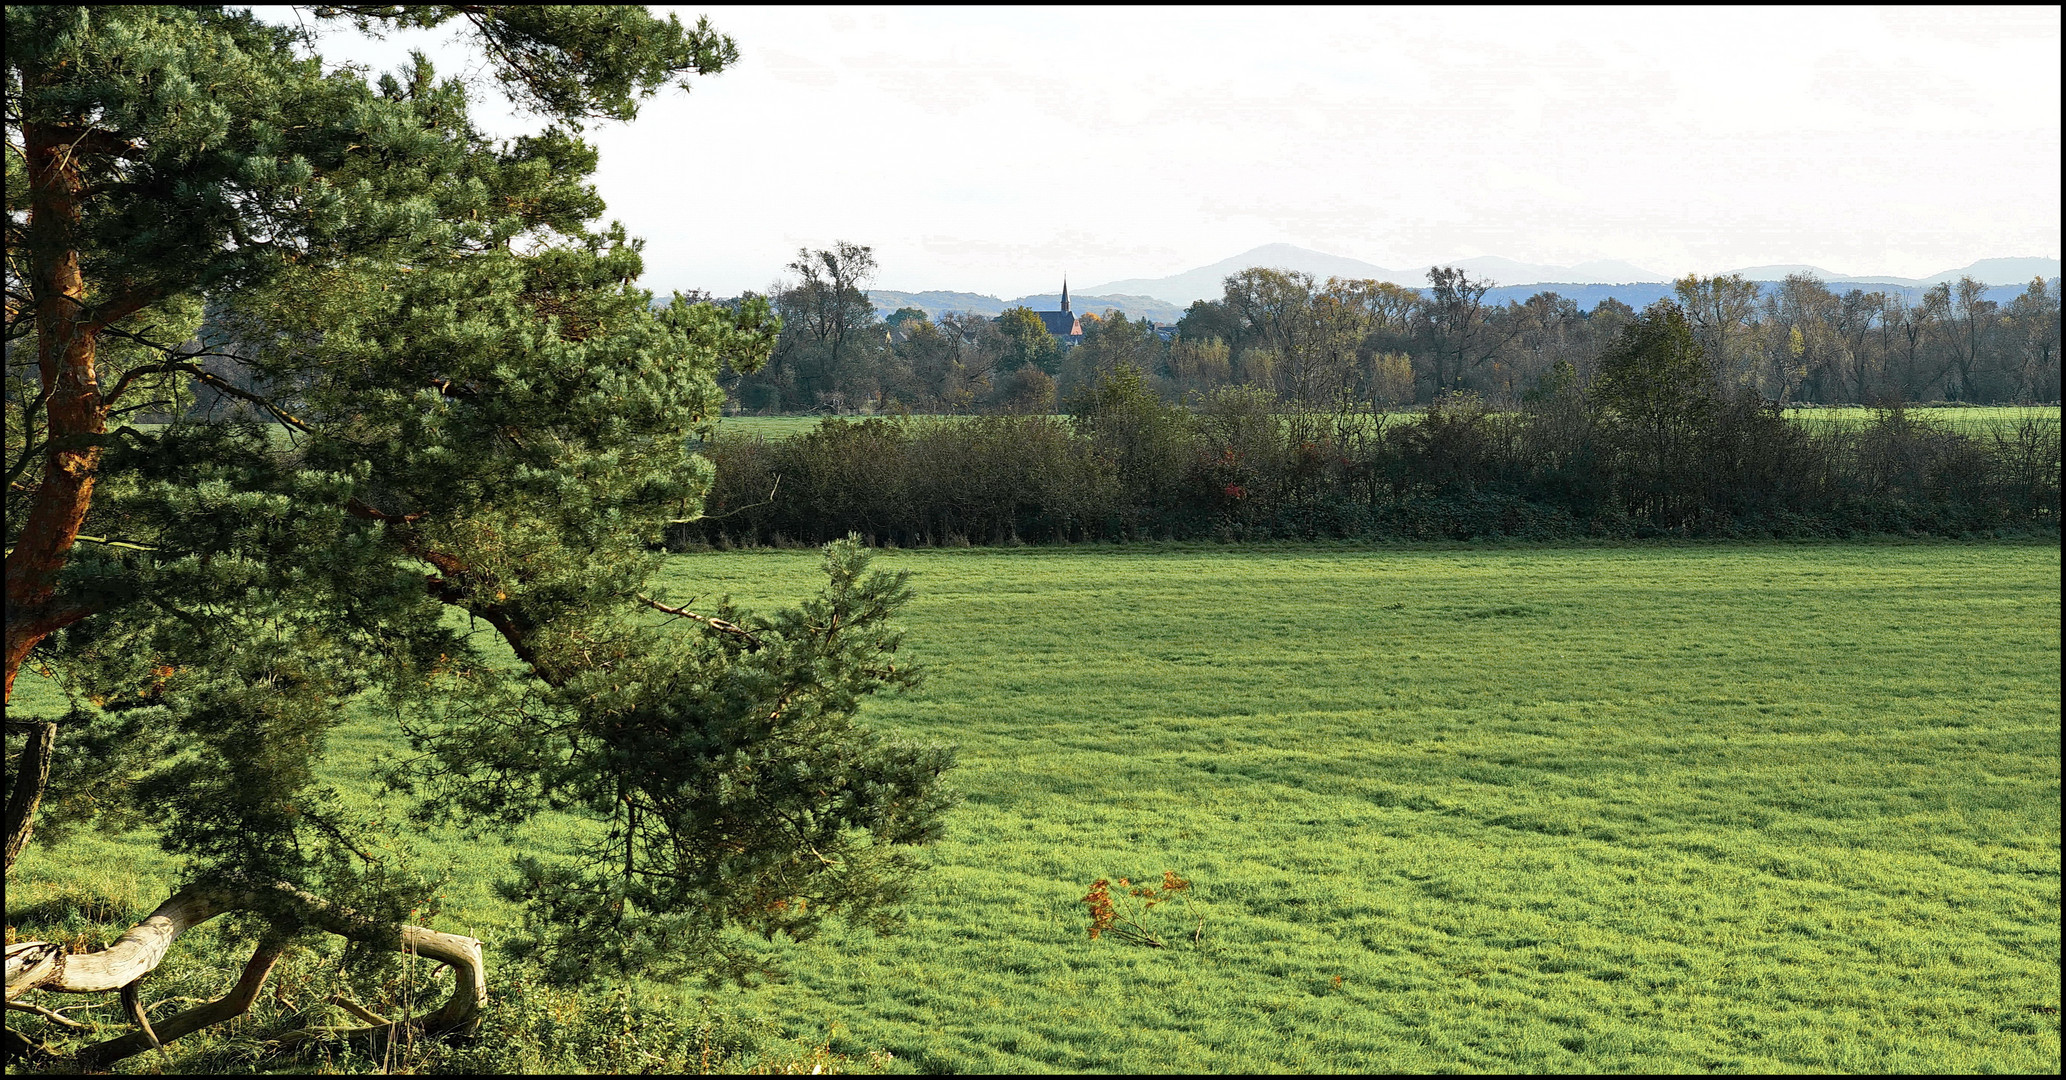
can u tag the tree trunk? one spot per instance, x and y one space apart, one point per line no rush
25 789
65 340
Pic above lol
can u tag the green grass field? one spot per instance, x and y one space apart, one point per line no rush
1665 807
1976 417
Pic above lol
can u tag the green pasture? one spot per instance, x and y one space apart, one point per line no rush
1969 418
772 427
1747 808
1963 417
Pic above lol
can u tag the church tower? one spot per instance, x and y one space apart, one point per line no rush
1063 324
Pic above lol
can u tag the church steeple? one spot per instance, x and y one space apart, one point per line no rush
1065 294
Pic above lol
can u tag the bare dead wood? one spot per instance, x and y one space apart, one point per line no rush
769 501
356 1009
132 1003
227 1007
459 1015
36 965
721 625
30 962
19 1047
51 1015
358 509
131 957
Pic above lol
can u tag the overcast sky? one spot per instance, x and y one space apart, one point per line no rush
992 150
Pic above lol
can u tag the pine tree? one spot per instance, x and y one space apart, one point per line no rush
401 371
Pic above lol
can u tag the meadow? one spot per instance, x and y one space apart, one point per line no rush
1665 807
1971 418
1961 417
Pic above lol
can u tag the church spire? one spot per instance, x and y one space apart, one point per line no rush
1065 293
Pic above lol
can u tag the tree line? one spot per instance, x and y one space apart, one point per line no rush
1342 345
1653 444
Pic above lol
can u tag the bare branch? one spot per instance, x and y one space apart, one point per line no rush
52 1015
111 542
769 501
38 965
228 1007
132 1003
752 640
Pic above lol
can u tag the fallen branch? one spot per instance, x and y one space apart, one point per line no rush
132 1003
37 965
358 1010
51 1015
227 1007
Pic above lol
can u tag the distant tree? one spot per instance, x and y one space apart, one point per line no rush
1908 332
2033 319
1026 391
948 374
1796 334
1854 369
1968 324
1656 391
1207 319
1392 307
1723 310
1129 422
1458 331
1550 330
1391 380
1109 343
830 337
978 342
1345 314
1029 342
1198 367
1274 309
1603 325
1654 374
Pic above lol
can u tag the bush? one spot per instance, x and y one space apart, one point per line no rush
1128 466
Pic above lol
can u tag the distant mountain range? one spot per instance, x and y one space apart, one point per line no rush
937 303
1203 283
1164 299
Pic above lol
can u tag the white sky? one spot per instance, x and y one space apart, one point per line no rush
992 150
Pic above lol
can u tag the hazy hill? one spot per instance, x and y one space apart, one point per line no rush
1163 300
2002 271
1989 271
1639 295
1204 283
1135 307
936 303
1510 272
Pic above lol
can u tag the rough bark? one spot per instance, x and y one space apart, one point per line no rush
25 789
36 965
65 342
